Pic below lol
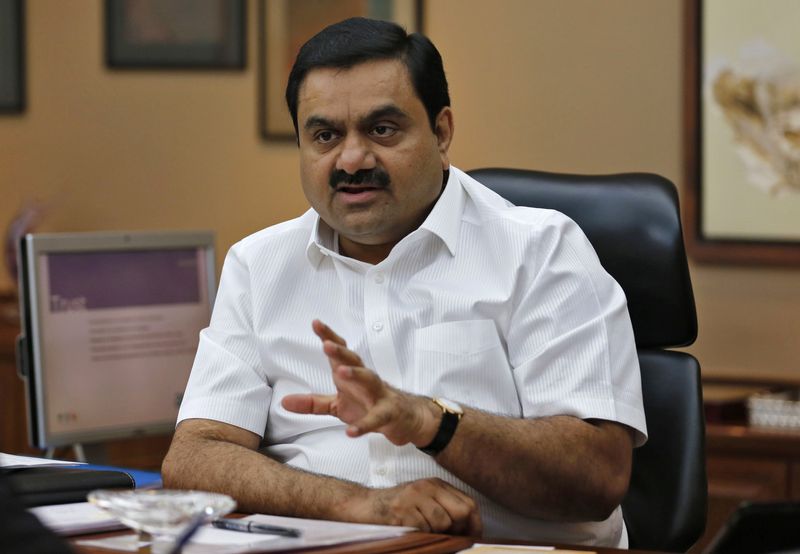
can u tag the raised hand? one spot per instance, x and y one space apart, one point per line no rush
364 401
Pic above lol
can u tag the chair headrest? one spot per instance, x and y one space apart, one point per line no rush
633 222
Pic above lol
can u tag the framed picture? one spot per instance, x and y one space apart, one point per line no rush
286 24
12 56
190 34
742 131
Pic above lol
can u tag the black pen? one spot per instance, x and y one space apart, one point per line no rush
253 527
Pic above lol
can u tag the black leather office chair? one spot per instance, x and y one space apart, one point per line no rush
633 222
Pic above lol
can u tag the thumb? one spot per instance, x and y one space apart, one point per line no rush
318 404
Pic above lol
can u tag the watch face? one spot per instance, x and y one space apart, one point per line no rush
449 405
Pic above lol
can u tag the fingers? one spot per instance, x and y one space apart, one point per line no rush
463 512
334 346
364 401
359 395
326 333
339 355
475 524
461 509
436 518
370 405
433 505
318 404
379 404
371 422
417 519
358 381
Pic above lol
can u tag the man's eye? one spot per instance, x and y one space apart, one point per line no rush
383 131
325 136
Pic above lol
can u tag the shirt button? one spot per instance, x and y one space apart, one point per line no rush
377 326
381 471
379 278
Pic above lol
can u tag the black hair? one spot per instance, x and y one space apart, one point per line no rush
357 40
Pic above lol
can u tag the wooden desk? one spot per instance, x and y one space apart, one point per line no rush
421 543
417 543
747 463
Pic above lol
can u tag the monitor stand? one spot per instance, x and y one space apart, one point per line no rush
77 448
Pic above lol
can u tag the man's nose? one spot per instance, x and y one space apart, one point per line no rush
355 154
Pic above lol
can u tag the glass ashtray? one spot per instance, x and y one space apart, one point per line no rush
161 513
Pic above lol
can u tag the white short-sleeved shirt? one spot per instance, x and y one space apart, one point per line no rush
501 308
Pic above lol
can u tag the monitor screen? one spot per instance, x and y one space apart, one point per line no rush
110 325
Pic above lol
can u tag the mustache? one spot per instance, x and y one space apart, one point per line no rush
375 177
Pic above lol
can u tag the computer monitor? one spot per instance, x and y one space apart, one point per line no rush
110 325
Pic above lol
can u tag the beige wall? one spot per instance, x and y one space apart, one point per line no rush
569 85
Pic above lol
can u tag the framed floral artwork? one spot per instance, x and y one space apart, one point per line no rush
742 131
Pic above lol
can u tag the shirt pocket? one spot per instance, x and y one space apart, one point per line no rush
465 361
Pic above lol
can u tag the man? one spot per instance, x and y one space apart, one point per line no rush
470 367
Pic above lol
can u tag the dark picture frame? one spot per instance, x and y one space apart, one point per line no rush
175 34
284 25
12 56
741 205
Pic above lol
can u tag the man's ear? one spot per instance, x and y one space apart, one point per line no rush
444 134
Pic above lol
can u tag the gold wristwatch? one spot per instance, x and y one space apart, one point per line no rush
451 415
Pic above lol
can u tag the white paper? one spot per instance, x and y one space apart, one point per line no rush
76 518
122 543
208 540
321 532
220 541
488 548
314 533
211 535
12 461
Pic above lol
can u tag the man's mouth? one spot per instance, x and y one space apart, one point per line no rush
357 194
356 189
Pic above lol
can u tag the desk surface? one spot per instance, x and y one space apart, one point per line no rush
417 543
420 543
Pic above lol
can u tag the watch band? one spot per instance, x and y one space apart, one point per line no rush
451 415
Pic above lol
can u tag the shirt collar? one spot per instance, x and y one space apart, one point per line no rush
320 241
444 221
